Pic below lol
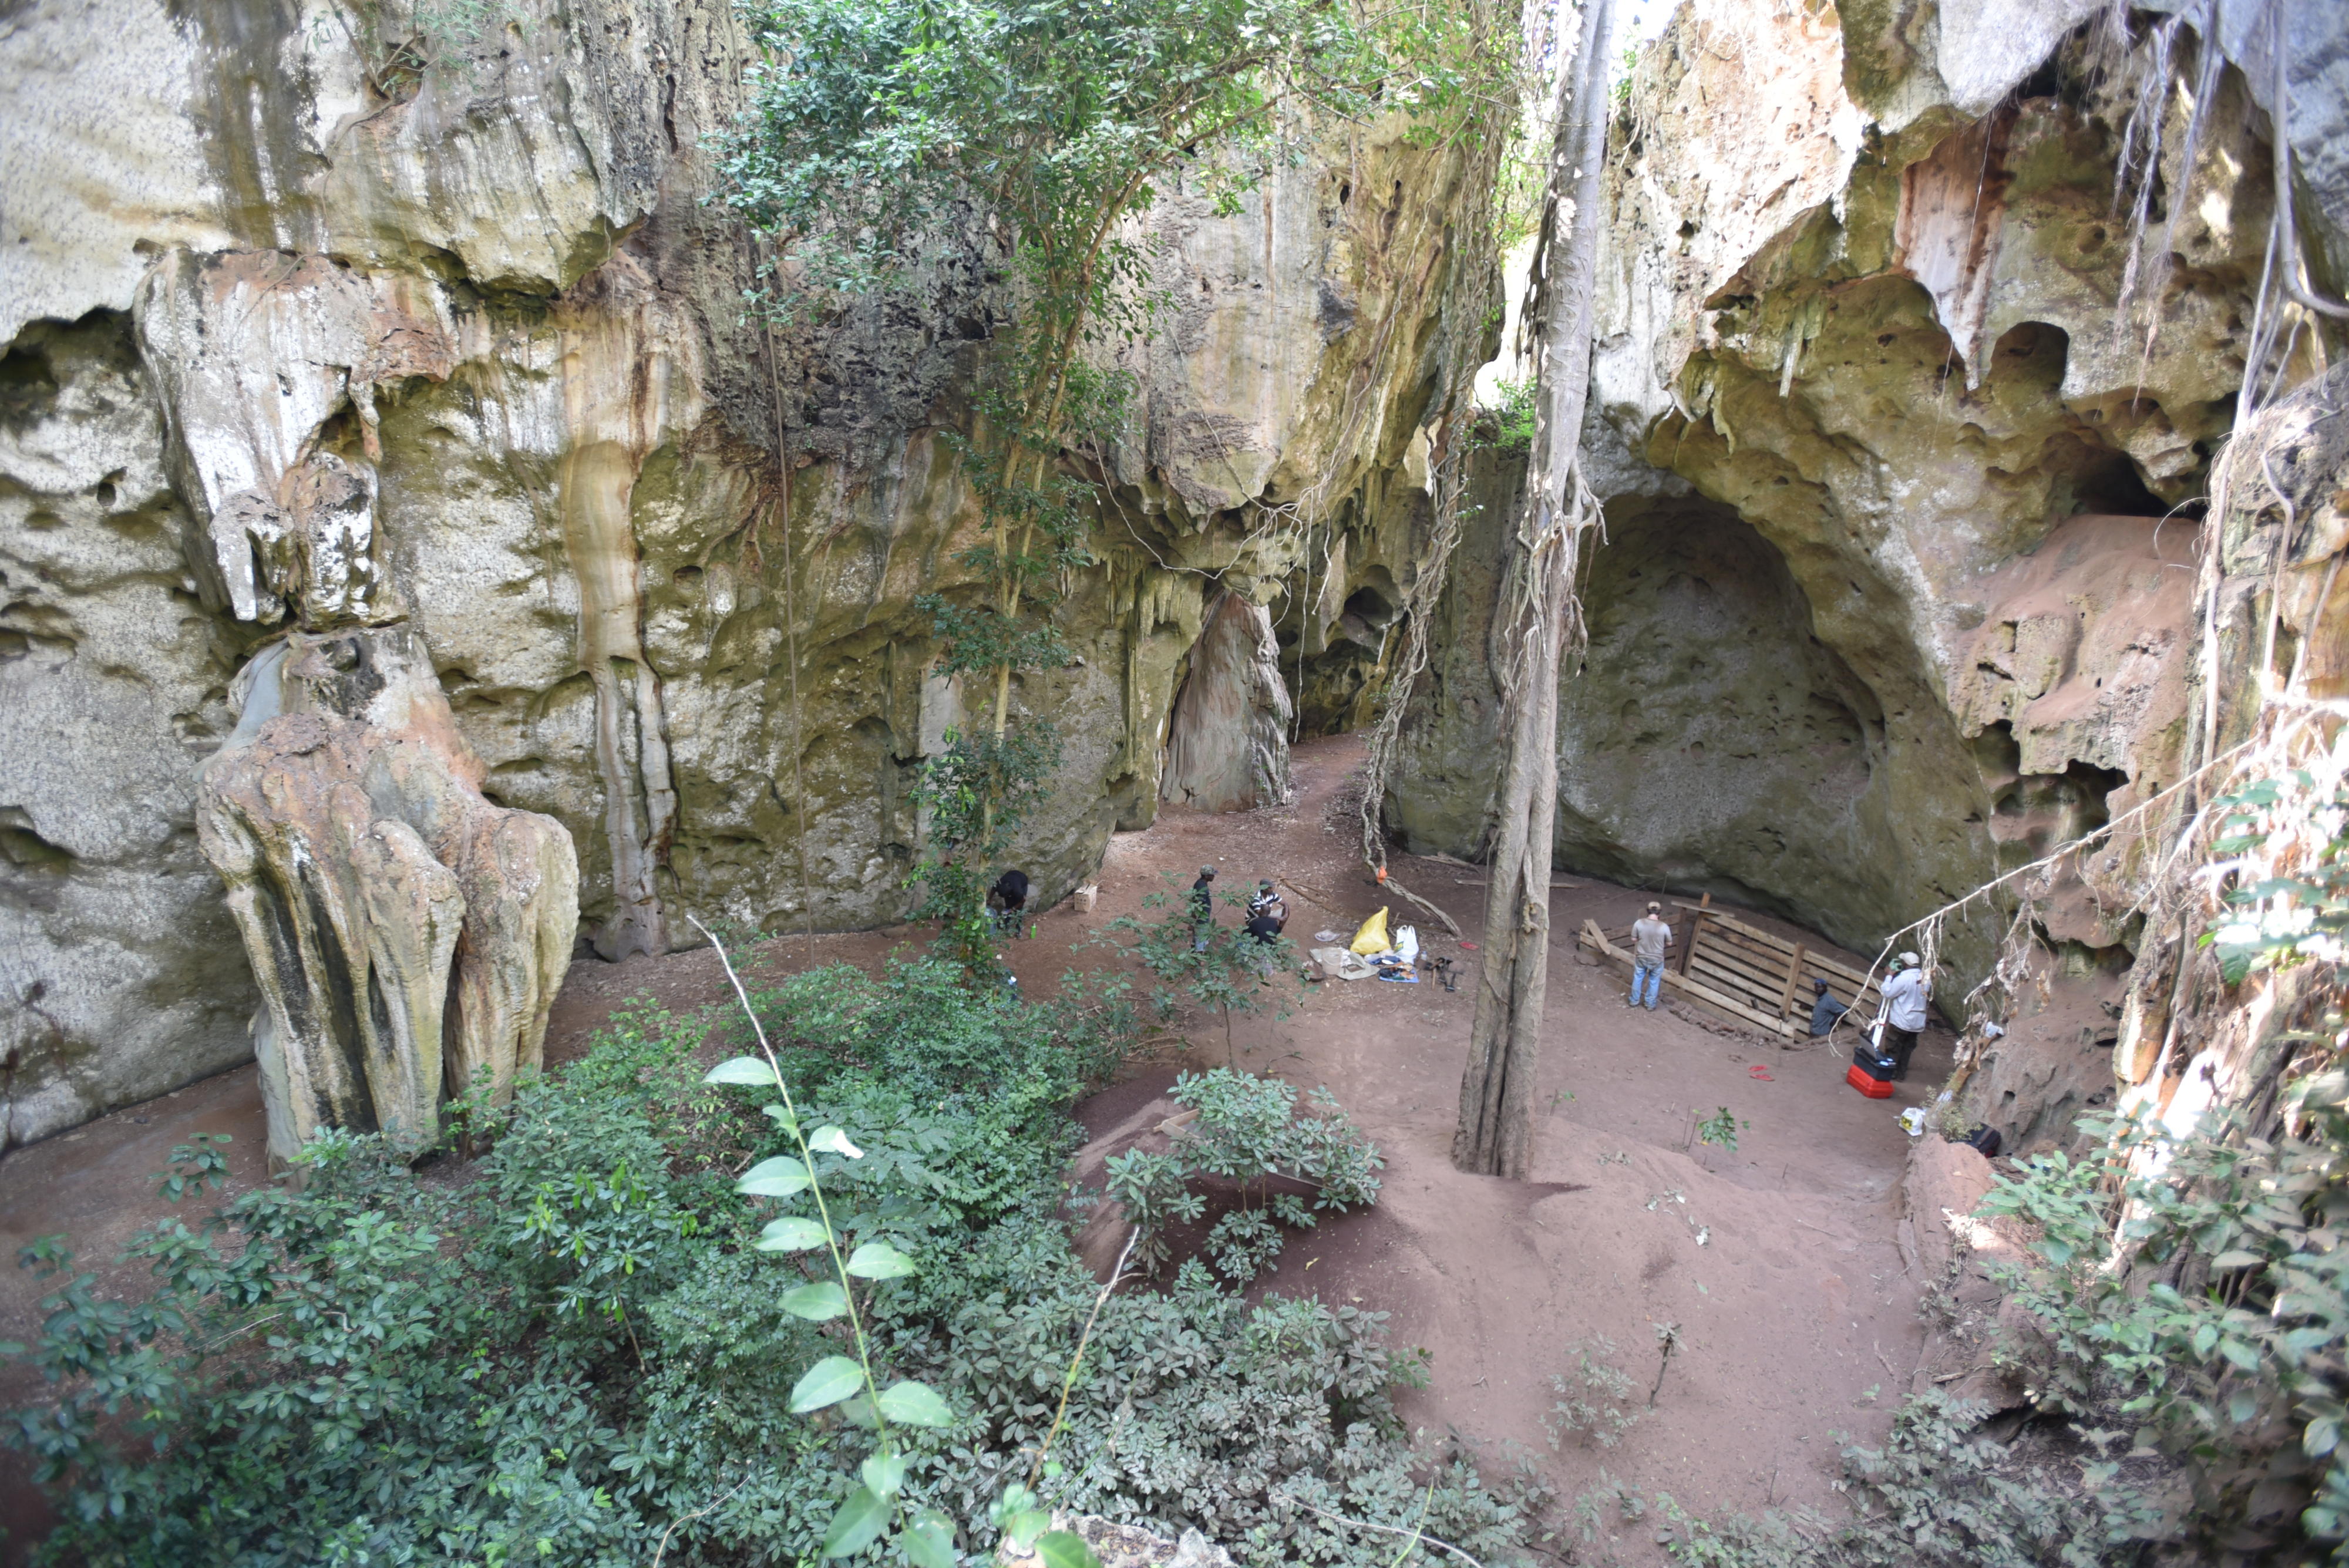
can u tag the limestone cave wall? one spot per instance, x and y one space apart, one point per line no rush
1904 411
316 315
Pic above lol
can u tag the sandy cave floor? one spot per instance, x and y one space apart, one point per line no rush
1781 1264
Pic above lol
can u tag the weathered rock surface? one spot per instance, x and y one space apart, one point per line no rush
408 935
307 332
1227 739
1868 295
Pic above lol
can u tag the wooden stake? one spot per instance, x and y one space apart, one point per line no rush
1794 978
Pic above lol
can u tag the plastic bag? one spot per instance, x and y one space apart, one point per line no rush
1372 937
1406 942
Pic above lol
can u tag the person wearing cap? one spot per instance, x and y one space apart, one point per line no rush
1203 908
1826 1010
1265 901
1651 937
1904 1014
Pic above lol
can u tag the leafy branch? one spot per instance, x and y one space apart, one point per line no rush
925 1536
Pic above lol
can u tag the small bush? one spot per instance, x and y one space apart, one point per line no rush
1596 1399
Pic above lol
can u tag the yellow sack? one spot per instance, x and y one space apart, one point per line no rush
1372 937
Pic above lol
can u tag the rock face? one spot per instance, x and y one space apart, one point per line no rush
438 346
1921 324
1867 296
1227 739
408 937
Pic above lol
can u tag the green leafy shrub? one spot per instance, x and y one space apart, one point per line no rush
573 1348
2225 1341
1596 1401
1250 1132
1214 965
1511 423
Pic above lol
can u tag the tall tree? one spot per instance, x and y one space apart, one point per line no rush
1543 615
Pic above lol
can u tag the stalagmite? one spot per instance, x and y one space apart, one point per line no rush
408 935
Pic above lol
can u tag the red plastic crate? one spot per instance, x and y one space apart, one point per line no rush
1873 1088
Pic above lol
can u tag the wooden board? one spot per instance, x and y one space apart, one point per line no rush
1740 972
1816 964
1714 998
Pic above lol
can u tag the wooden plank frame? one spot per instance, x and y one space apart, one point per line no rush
1682 987
1807 962
1739 971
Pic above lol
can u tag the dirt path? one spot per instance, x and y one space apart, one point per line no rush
1781 1264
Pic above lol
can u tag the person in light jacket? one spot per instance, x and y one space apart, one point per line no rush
1904 1014
1651 938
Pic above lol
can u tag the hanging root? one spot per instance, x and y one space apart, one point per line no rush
1472 284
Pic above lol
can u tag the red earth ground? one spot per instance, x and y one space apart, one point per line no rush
1781 1265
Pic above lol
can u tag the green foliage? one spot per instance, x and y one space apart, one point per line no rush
1721 1130
979 790
1512 428
2226 1340
1250 1133
195 1166
1595 1402
1154 1191
588 1341
1213 965
2287 844
878 122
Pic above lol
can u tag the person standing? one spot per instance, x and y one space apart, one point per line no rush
1651 937
1904 1014
1203 908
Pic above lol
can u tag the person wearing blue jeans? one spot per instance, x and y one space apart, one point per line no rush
1651 937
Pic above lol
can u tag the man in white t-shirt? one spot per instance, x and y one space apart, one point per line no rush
1904 1013
1651 937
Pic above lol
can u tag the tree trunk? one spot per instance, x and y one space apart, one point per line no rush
1496 1132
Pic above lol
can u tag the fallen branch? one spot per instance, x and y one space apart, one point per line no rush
1449 923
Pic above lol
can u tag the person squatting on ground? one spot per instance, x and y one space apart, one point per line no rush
1265 901
1263 925
1203 908
1826 1010
1651 937
1009 899
1904 1014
